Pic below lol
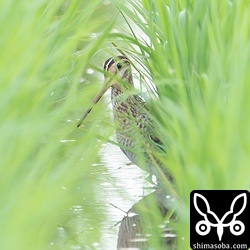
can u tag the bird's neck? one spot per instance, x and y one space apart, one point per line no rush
116 90
126 85
121 92
120 98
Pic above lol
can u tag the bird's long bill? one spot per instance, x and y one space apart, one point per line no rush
95 100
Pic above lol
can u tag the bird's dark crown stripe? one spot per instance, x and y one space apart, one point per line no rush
111 60
108 63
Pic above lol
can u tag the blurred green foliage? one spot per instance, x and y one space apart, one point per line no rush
46 49
197 55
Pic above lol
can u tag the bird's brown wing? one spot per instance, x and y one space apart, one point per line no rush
152 128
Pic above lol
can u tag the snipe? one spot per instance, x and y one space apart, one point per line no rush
135 130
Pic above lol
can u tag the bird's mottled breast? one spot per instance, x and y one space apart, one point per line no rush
128 112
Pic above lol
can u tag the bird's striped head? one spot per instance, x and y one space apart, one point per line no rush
115 60
118 66
117 71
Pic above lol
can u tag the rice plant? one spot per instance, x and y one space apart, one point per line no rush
191 57
197 54
46 49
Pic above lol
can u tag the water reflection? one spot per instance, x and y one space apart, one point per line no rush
134 233
127 186
121 193
129 194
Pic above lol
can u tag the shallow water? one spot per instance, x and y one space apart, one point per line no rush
118 186
127 187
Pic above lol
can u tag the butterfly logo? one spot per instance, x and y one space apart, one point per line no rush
203 227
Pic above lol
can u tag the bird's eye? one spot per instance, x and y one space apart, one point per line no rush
119 66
